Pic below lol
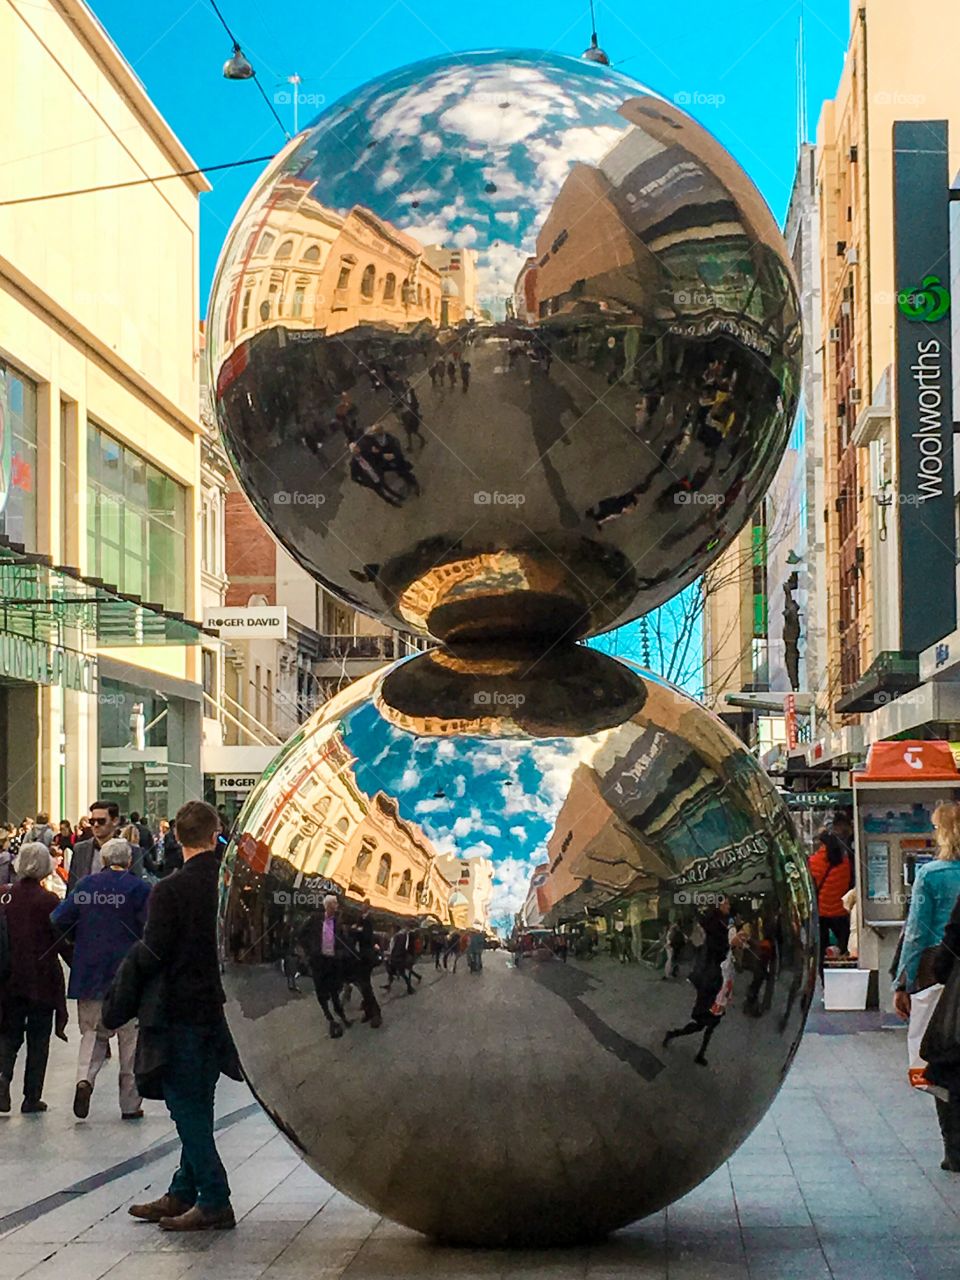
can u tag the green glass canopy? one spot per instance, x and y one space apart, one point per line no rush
43 601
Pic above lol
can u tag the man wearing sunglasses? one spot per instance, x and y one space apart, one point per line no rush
86 860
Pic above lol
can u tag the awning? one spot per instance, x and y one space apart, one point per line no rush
889 675
39 599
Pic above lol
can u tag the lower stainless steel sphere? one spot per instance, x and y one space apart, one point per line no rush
482 1082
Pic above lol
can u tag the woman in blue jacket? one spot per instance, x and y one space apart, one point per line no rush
936 891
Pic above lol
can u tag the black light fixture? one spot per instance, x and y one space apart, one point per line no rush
237 67
594 53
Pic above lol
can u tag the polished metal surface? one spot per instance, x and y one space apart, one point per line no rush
504 343
530 1101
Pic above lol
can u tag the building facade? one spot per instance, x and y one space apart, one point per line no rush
100 441
890 538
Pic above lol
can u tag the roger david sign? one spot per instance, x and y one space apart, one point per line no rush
259 622
924 383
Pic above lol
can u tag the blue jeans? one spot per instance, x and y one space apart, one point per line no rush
189 1083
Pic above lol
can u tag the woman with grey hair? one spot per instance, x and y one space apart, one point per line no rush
32 994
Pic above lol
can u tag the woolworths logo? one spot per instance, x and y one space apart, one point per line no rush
931 301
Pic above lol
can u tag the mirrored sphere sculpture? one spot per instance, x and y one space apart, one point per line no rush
504 343
490 1096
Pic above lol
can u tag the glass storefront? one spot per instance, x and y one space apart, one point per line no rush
134 756
18 457
136 523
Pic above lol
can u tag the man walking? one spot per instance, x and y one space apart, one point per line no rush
180 943
103 917
105 823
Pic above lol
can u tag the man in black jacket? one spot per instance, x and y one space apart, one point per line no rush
181 933
85 859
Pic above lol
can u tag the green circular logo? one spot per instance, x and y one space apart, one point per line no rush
929 302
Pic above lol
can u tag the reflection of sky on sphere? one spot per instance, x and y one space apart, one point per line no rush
496 798
430 141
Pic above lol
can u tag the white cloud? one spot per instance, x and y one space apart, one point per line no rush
509 216
520 833
409 780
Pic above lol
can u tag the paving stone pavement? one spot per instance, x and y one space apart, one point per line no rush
841 1180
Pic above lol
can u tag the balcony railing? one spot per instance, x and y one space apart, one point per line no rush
369 648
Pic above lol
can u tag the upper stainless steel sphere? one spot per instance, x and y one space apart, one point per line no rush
504 343
532 1102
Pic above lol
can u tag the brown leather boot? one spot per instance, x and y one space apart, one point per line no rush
153 1210
198 1219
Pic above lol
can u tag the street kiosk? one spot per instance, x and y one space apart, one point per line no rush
894 799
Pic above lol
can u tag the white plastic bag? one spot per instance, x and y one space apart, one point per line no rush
922 1005
725 994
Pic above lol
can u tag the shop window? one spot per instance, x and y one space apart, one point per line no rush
383 871
18 467
136 522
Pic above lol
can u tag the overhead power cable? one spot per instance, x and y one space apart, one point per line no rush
135 182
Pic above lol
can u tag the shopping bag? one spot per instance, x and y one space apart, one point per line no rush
922 1005
723 996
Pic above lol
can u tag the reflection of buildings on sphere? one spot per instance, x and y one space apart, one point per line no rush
566 304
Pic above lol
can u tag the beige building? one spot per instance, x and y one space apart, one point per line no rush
895 69
100 466
306 267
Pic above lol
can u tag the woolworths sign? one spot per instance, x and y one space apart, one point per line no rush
924 382
34 662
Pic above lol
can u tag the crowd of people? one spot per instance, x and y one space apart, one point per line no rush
133 914
155 851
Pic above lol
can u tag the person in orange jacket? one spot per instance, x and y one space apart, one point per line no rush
830 869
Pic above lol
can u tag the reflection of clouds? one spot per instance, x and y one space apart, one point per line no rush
510 886
514 791
498 268
554 156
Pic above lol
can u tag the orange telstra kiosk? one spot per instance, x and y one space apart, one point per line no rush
894 799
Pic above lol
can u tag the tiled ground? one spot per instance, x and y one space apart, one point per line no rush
841 1180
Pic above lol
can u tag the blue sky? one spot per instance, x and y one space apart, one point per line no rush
736 63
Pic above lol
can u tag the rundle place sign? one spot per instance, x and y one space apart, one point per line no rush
22 658
924 382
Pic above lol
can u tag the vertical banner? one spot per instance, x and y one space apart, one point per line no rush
928 598
790 718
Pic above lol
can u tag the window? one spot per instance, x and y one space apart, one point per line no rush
136 522
245 311
312 254
18 457
266 241
209 660
344 277
389 287
428 299
367 281
405 885
285 250
383 871
296 302
343 825
366 853
265 310
419 295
